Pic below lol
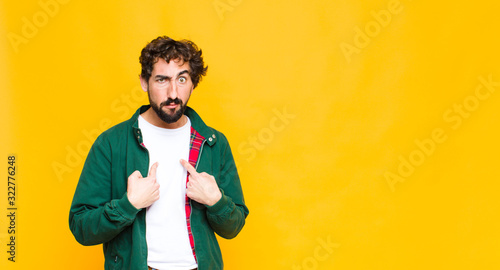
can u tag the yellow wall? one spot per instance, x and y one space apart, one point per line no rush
365 132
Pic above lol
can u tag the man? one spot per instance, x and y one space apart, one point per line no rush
155 188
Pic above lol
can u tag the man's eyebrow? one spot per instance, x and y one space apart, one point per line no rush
160 77
183 72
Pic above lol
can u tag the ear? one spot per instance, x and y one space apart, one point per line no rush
144 84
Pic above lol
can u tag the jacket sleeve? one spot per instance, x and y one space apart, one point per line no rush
227 216
95 217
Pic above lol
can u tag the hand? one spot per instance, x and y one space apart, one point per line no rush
143 192
201 187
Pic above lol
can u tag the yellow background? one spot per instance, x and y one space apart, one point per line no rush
316 175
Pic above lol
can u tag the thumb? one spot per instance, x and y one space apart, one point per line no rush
152 171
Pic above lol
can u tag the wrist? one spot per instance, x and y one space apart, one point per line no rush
132 201
215 199
125 207
219 205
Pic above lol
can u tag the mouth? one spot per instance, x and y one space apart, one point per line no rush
171 106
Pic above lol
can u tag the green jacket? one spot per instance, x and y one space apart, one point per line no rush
102 214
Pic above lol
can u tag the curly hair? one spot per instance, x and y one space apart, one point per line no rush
169 49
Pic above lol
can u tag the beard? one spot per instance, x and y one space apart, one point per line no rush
164 116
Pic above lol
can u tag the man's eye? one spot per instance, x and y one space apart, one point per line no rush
161 80
182 80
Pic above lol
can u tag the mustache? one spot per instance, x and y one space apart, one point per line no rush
170 101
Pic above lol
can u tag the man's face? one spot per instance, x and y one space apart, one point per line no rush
169 89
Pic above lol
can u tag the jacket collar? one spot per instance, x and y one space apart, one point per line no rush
196 122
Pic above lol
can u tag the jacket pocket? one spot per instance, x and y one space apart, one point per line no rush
112 260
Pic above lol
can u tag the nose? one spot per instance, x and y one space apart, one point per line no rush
172 91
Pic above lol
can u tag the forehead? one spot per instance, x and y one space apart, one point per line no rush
173 67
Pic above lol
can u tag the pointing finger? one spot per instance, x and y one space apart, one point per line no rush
188 167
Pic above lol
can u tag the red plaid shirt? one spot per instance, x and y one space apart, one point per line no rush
195 144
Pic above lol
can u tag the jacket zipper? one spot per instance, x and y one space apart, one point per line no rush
199 154
191 203
145 225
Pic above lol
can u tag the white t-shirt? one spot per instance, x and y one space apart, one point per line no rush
166 228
